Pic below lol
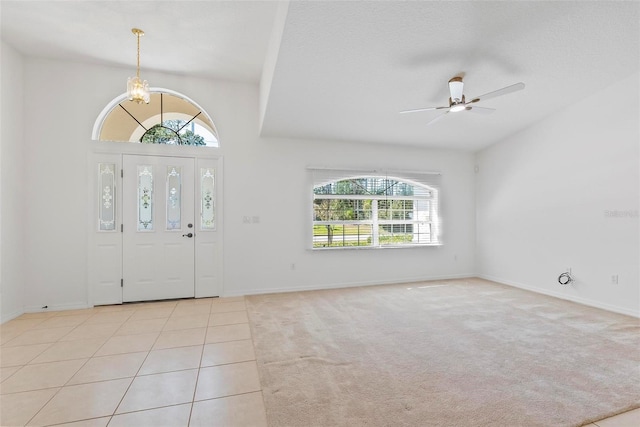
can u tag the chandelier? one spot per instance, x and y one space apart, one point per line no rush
138 89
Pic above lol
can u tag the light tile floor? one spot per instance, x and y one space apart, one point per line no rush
170 363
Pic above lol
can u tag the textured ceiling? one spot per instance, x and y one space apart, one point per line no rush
343 70
215 39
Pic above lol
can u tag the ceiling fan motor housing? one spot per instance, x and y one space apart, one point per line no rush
455 88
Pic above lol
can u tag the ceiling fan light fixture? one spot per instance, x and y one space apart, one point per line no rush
457 108
138 89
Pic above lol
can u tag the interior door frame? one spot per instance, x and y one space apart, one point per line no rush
105 248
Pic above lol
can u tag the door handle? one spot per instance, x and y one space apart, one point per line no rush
189 235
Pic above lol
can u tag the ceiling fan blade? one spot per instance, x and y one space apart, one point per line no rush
481 110
432 121
499 92
424 109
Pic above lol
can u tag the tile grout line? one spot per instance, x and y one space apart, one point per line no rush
43 329
21 332
112 335
140 367
131 412
204 343
84 364
61 387
12 374
228 395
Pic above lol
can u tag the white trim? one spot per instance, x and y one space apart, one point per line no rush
583 301
108 147
97 148
374 248
374 171
6 317
348 285
61 307
97 125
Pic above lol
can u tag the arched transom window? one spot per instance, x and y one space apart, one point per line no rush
374 211
169 118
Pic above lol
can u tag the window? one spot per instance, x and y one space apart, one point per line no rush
177 132
372 210
169 118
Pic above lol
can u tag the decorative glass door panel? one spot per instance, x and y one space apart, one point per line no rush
207 199
159 233
174 197
107 197
145 198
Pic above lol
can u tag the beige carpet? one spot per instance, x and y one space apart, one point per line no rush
450 353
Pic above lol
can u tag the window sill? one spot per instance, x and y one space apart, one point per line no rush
360 248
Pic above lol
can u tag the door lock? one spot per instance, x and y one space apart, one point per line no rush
189 235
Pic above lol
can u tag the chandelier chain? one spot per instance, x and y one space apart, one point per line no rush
138 67
137 89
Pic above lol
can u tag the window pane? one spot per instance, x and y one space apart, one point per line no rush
107 202
422 233
145 198
395 234
174 197
341 210
207 199
422 210
342 235
395 209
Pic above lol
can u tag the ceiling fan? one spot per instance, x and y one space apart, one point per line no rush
457 102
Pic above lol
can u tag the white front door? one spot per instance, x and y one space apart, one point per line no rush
158 228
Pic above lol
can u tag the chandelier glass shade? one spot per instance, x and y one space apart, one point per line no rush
138 89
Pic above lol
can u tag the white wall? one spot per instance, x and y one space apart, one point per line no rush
541 195
11 184
266 178
545 197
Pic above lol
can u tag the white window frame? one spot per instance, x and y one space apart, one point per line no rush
427 180
155 119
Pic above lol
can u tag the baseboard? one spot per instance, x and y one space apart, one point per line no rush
344 285
61 307
583 301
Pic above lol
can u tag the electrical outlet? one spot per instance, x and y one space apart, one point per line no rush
246 220
614 279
